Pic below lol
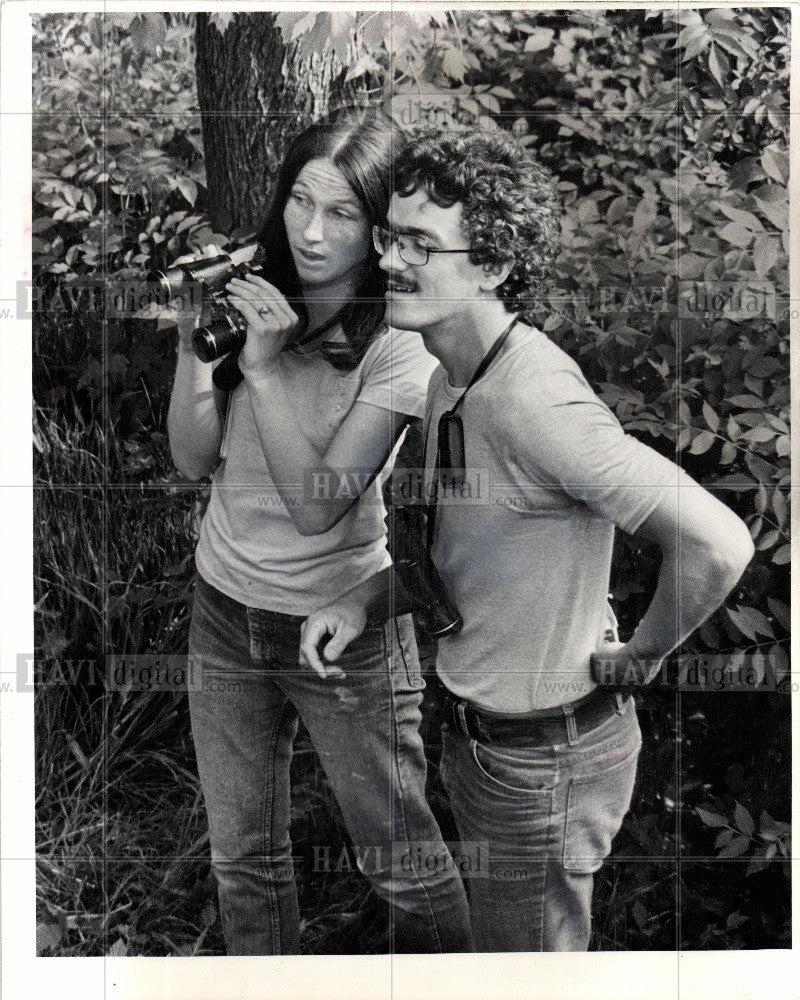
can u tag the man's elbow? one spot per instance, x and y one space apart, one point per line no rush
315 522
190 467
730 554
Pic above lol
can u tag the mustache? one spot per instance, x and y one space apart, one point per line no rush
400 280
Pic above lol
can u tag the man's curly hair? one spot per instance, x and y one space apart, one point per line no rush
509 207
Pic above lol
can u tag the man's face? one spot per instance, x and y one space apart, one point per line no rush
424 297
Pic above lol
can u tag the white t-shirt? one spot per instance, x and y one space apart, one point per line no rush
526 553
249 547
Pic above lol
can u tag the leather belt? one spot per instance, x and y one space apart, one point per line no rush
549 727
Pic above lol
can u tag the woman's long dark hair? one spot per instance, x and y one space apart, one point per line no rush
363 143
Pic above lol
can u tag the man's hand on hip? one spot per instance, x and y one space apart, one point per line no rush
616 664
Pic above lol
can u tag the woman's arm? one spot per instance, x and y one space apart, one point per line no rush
196 407
196 414
334 479
358 450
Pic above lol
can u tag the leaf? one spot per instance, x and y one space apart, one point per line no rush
48 937
489 102
780 611
118 949
746 219
759 435
765 255
736 234
617 210
751 622
710 818
503 92
147 32
187 188
736 848
718 65
773 204
220 20
292 26
724 837
364 64
644 216
743 820
776 164
328 33
710 417
454 65
701 443
782 555
539 40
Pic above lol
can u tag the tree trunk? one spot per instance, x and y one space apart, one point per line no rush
249 111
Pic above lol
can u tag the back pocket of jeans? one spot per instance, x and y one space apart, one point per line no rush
596 806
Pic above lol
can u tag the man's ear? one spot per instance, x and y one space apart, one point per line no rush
495 275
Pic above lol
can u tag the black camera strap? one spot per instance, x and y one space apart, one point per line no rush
480 371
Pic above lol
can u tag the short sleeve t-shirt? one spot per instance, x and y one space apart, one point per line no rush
526 551
249 547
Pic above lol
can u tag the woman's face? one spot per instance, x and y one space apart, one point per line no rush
326 227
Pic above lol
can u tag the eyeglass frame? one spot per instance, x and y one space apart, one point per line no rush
396 237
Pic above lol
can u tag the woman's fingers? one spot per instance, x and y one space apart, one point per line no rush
247 309
275 309
262 283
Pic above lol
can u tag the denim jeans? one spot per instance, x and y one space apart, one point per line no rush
365 729
545 816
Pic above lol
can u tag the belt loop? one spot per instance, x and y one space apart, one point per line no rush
572 729
620 703
462 717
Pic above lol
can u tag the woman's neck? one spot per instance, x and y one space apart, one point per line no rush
324 300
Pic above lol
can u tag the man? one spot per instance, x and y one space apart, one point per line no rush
539 759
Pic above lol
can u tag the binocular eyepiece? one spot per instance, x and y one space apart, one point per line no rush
227 330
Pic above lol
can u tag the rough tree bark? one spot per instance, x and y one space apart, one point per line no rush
249 111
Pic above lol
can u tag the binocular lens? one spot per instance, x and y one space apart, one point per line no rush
216 340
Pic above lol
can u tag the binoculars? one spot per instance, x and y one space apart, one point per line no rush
227 330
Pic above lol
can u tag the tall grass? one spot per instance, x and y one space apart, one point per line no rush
122 844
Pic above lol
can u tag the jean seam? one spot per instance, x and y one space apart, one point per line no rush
267 829
401 801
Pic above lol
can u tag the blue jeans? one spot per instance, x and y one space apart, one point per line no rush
366 731
545 817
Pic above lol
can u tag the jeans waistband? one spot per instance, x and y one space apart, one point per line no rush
562 724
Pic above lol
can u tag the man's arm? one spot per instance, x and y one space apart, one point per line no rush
705 549
343 621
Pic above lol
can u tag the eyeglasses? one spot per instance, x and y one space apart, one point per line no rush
412 249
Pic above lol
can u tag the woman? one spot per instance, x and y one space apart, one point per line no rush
286 531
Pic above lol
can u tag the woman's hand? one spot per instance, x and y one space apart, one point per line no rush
271 321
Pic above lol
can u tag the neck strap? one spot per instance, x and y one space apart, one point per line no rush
488 358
